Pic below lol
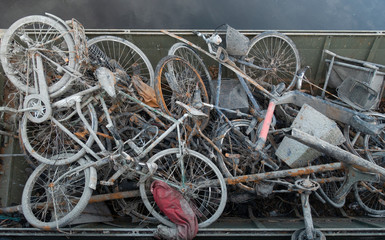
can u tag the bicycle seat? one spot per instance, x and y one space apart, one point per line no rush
193 111
107 80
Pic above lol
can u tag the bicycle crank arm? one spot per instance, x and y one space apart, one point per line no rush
40 100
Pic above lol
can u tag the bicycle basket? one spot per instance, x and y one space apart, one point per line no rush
235 44
357 94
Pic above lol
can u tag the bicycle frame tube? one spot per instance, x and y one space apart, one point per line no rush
161 137
358 120
277 174
250 95
67 101
88 126
266 126
83 145
148 107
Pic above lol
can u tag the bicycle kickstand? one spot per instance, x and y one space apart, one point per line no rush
305 187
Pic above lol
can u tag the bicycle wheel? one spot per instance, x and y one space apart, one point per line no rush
125 60
328 189
241 159
117 53
355 141
186 52
133 207
370 195
43 35
52 199
47 142
208 202
177 80
276 51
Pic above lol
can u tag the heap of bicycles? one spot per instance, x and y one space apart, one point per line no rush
97 123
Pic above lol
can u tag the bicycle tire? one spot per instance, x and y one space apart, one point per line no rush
188 53
15 56
133 207
125 53
276 51
46 141
370 195
245 158
42 201
212 199
176 80
327 190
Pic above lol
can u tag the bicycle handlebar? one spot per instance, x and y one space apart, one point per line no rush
214 39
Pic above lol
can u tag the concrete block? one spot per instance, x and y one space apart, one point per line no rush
311 121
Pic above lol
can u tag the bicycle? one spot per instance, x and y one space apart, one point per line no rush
176 166
42 57
41 135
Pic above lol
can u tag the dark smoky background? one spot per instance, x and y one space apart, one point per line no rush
206 14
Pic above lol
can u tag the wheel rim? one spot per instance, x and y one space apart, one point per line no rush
207 203
370 195
182 50
328 189
45 36
274 51
51 200
128 57
177 80
47 142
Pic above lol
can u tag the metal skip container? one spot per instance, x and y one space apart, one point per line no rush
308 120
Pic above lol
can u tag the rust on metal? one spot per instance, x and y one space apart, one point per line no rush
114 196
104 135
232 155
284 173
46 228
82 134
93 199
329 179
